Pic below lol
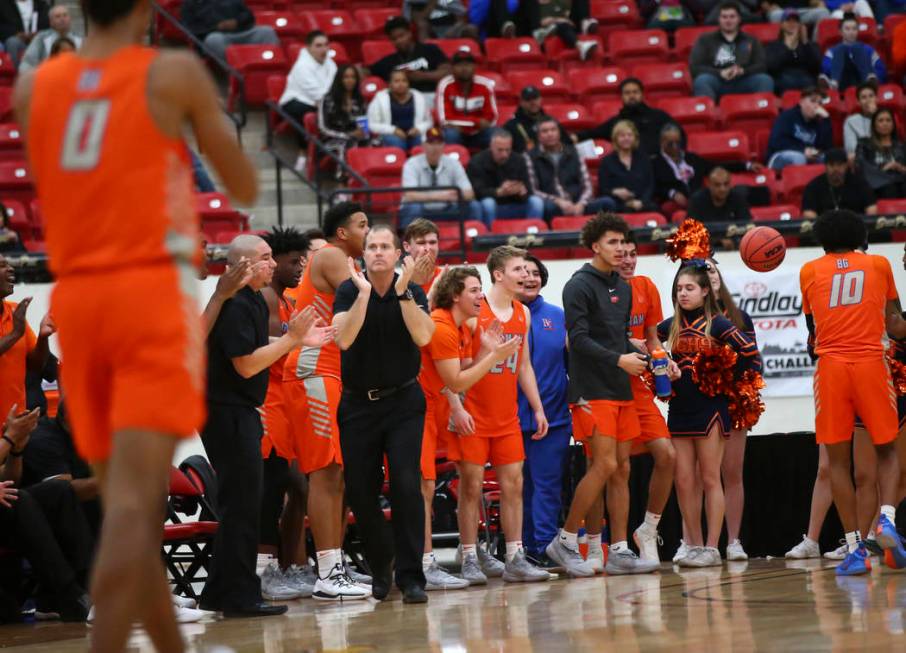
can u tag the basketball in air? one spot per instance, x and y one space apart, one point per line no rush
762 249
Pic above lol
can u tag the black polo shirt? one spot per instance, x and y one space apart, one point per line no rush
383 355
735 209
855 194
50 452
240 329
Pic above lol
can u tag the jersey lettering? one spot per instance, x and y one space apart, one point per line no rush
84 134
847 288
509 363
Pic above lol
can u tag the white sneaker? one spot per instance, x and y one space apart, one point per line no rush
190 615
595 560
184 601
689 557
735 551
647 539
274 586
585 49
437 578
839 553
362 580
338 587
302 579
589 25
569 559
490 565
681 552
805 549
301 164
703 556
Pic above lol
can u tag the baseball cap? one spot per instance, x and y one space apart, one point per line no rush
835 155
790 14
530 92
463 55
434 135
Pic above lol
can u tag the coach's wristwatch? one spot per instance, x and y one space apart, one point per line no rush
406 296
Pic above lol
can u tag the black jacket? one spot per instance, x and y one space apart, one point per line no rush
486 176
524 129
11 19
648 120
202 16
666 183
638 178
735 209
805 57
598 329
570 174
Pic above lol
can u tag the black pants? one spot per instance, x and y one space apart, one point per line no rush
368 430
298 110
273 494
232 441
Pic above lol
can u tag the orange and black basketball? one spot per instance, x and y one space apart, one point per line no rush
762 249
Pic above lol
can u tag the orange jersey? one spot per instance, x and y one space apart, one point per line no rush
847 295
492 402
285 309
646 306
12 363
427 286
448 342
304 362
115 190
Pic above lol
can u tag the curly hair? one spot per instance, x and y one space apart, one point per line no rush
337 217
599 225
451 283
284 240
840 231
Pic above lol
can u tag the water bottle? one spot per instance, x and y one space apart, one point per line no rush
659 363
362 123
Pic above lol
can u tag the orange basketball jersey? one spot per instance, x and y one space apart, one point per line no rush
128 197
492 402
847 295
427 286
448 342
646 306
285 309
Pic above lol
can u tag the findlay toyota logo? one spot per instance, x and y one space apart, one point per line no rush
755 289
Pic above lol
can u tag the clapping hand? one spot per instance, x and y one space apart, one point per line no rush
407 269
491 336
234 278
309 329
358 278
19 427
8 494
424 268
19 316
48 328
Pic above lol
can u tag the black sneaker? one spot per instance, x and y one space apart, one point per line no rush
543 561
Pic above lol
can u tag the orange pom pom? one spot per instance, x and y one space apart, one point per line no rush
746 405
898 374
691 240
712 371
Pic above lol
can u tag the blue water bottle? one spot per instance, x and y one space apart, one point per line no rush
659 363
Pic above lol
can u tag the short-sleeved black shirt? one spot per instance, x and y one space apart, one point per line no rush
50 452
424 56
240 329
383 355
855 194
736 209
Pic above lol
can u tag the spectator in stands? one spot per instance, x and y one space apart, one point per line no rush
20 22
440 19
748 10
728 60
523 126
667 15
837 188
41 45
399 115
222 23
625 175
647 120
882 157
839 8
858 125
10 243
501 18
719 201
308 82
850 63
800 134
466 106
62 45
811 12
430 169
792 61
677 174
424 63
559 18
501 181
341 114
558 175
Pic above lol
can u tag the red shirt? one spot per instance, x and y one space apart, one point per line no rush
460 108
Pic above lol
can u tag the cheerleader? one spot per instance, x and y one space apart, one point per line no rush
703 342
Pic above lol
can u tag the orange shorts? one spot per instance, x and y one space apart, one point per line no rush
844 390
133 348
497 450
312 408
612 419
275 420
437 416
651 421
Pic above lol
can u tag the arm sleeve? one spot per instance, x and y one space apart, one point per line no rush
698 60
878 66
655 314
745 347
236 330
605 178
490 107
462 179
424 121
345 297
806 276
645 180
375 122
410 177
825 135
577 300
419 297
585 180
850 137
827 62
382 68
444 343
480 183
32 56
757 62
663 329
325 120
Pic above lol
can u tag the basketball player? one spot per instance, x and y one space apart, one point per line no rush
312 387
104 137
421 242
847 297
497 439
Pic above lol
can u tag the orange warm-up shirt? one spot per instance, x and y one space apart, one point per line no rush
646 306
12 363
448 342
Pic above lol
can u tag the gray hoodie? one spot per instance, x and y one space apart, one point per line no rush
597 307
712 53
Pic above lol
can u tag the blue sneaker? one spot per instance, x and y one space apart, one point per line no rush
856 563
892 543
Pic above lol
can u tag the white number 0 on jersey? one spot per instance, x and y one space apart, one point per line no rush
84 134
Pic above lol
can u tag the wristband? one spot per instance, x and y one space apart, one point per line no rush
12 447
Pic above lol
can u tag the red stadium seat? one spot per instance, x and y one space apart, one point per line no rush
720 146
339 25
590 84
6 103
370 86
570 222
684 38
336 51
693 113
573 117
748 112
514 54
604 110
765 178
566 59
527 226
503 92
637 46
890 96
552 86
774 212
164 30
11 145
255 63
884 206
452 46
372 20
827 34
796 178
639 220
374 51
613 14
16 182
287 24
505 111
380 166
18 220
458 152
764 32
664 79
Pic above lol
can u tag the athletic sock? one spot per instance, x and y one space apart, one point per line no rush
853 539
469 549
427 560
652 520
617 547
327 560
569 540
512 548
871 537
594 544
890 512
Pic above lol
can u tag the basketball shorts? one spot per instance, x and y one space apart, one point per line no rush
434 437
651 421
844 390
496 450
609 418
901 414
312 408
133 360
275 420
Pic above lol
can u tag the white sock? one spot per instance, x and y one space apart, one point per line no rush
469 549
852 540
616 547
512 548
265 559
890 512
427 560
652 520
569 540
327 560
871 536
594 544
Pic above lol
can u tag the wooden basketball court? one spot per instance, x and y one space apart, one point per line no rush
762 605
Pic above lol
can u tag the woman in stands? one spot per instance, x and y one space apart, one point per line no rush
399 115
882 157
792 61
625 174
341 114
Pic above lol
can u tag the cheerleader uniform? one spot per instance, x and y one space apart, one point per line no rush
692 413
